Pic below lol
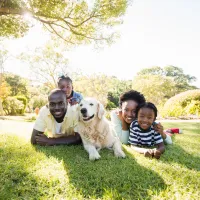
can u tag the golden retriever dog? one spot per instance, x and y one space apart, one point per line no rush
95 130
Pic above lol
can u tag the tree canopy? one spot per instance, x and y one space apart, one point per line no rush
74 21
182 81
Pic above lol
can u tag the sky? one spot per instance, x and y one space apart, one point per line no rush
154 33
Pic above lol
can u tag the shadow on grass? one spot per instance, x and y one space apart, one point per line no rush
15 181
176 154
107 178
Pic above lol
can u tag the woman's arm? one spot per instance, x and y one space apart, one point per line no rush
120 129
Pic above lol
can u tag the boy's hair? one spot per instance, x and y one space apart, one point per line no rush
57 91
147 105
131 95
64 77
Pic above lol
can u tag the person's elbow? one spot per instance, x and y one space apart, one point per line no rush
78 138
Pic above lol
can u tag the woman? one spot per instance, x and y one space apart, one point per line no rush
65 84
122 118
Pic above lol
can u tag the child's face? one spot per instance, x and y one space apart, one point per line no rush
146 117
66 86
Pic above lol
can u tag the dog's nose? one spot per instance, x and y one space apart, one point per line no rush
83 110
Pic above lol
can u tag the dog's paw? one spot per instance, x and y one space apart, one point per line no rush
94 156
120 154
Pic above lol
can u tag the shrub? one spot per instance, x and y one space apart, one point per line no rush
110 105
183 104
23 99
12 106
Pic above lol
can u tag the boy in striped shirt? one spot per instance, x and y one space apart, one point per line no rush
142 134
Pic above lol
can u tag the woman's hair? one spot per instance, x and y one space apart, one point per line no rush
64 77
131 95
147 105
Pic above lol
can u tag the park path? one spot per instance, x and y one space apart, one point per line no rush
20 128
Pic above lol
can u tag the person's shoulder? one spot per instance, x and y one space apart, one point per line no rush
77 94
44 110
72 111
134 124
113 113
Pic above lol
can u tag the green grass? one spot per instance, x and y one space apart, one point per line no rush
64 172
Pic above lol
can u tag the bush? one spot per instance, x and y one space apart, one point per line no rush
184 104
37 102
110 105
24 101
12 106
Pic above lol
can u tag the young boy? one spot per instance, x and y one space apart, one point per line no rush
142 134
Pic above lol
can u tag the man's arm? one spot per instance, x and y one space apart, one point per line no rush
33 136
41 139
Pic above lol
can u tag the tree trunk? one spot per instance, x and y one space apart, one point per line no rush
1 108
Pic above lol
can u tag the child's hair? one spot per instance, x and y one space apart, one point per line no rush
131 95
64 77
147 105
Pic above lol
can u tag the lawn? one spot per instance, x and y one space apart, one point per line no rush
64 172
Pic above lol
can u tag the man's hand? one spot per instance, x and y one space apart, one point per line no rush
43 140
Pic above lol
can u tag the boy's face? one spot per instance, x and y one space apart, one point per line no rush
146 117
57 105
66 86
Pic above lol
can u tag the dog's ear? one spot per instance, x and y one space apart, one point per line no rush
101 110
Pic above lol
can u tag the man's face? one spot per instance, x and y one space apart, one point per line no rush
57 105
66 86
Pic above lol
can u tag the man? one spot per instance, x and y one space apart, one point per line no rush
56 122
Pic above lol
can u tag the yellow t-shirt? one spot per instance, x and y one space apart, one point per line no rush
46 123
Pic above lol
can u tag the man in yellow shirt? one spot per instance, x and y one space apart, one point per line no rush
56 122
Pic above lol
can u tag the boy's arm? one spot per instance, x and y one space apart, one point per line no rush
160 149
146 152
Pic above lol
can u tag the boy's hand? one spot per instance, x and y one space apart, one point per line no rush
159 128
156 153
149 153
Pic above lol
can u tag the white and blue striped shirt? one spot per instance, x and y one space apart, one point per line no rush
140 137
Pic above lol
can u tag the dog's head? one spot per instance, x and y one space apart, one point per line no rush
90 108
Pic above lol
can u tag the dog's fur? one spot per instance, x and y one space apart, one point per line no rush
95 130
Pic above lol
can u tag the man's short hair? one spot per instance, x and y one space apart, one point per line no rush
57 91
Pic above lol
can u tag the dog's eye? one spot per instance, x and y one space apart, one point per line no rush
81 104
91 104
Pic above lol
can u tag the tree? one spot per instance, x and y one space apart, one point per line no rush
155 88
17 84
104 88
75 21
3 88
182 81
47 64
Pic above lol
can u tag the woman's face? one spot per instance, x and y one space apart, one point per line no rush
66 86
128 110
